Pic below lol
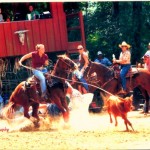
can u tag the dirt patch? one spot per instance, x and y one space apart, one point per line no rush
88 132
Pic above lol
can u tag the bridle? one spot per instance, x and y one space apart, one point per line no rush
68 70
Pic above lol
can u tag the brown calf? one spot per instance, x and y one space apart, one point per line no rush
119 107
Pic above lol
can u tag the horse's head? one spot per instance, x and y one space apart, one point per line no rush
64 66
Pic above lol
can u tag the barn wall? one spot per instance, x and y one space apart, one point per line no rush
51 32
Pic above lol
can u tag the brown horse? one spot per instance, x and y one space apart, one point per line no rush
26 94
101 77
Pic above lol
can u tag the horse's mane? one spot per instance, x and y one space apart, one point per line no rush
64 56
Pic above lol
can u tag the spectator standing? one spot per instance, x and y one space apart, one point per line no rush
102 60
1 102
32 14
147 59
1 16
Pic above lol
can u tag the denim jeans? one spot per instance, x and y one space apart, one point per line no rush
40 75
123 72
79 75
84 83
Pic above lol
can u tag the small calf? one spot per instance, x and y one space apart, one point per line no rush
119 107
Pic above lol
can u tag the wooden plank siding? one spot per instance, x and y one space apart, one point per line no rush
50 35
39 31
51 32
56 26
3 48
63 25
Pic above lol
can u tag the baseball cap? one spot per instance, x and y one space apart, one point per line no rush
99 53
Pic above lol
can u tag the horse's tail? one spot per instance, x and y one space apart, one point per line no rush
8 111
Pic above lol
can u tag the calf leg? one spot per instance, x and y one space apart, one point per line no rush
127 122
110 118
116 122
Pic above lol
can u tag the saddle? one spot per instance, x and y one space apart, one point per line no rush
51 82
131 72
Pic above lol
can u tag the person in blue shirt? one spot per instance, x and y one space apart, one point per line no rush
102 60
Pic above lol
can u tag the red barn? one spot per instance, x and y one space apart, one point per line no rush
52 32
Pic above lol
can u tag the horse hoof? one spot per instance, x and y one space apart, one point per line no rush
66 116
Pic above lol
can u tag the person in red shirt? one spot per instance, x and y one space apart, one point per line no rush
39 61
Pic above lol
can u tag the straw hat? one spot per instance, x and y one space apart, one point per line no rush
124 44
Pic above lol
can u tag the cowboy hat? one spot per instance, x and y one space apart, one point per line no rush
124 44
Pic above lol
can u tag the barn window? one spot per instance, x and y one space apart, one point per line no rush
18 11
73 27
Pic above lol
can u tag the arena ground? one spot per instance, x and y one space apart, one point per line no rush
89 132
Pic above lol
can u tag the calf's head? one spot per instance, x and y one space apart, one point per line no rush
128 103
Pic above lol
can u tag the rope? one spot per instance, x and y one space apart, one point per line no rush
78 82
30 68
84 83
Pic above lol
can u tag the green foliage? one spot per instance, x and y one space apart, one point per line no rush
107 24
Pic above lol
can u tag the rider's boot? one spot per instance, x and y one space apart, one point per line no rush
44 95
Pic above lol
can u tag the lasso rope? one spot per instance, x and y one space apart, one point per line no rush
78 82
71 80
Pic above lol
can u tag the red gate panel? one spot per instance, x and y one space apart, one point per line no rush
50 35
8 38
3 48
43 33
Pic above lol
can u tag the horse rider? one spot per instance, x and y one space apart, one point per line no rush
102 60
83 64
146 58
125 61
39 61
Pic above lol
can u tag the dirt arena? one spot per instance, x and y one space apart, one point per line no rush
90 132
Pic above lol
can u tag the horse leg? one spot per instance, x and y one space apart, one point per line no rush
65 112
84 91
80 89
146 96
26 114
35 107
146 102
